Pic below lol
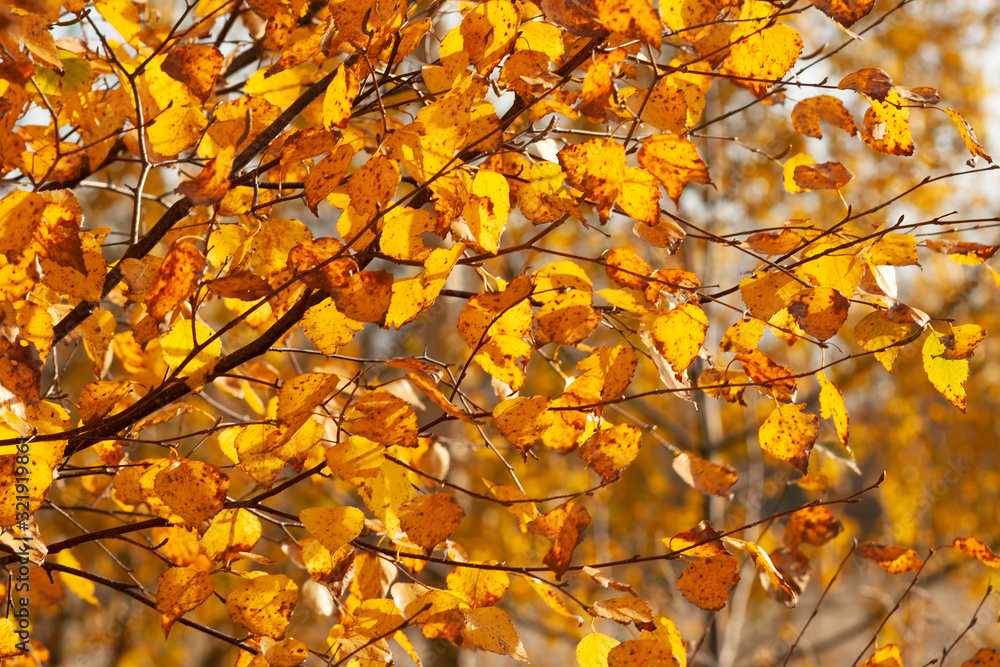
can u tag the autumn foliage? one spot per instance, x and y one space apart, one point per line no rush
366 331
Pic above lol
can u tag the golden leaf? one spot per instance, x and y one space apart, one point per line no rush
264 604
788 434
179 590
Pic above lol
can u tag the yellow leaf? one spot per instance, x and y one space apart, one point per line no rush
542 37
264 604
968 136
42 458
788 434
488 33
20 214
339 98
947 375
674 162
123 16
356 461
887 126
286 653
633 18
326 176
886 656
329 328
679 335
515 502
429 519
333 526
611 450
82 588
894 250
705 583
640 197
302 394
883 336
182 339
184 492
791 164
597 168
831 406
8 639
743 336
593 650
98 399
709 478
478 587
176 129
487 208
552 599
962 341
232 531
639 652
179 590
490 629
552 279
567 319
389 491
401 230
760 54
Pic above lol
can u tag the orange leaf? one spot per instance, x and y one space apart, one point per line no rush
807 114
815 525
596 167
176 280
706 583
264 604
429 519
624 610
824 176
820 311
565 526
195 65
212 182
844 12
892 559
973 548
873 82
